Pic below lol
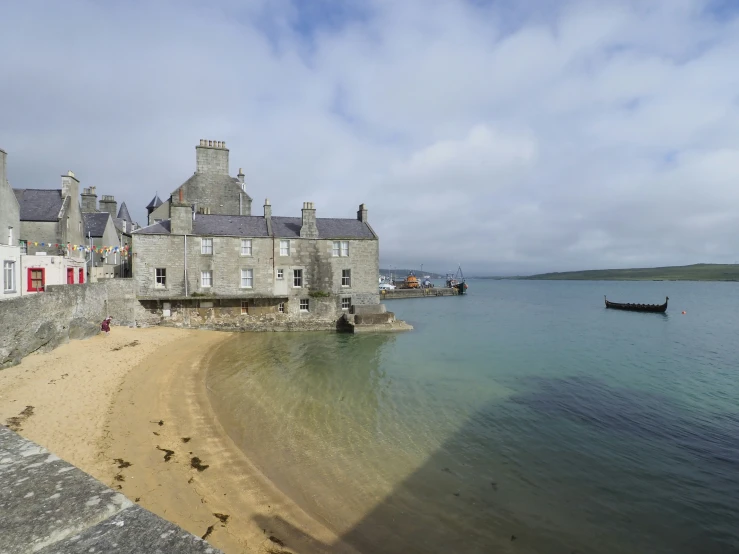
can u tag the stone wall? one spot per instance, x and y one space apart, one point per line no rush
43 321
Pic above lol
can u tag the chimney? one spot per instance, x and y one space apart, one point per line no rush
267 208
89 200
309 230
3 167
108 204
362 213
180 220
211 156
241 176
70 185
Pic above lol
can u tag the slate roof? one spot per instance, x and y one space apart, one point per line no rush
123 213
39 204
95 223
256 226
328 228
159 228
155 202
230 225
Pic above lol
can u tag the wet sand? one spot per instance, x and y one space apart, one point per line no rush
132 410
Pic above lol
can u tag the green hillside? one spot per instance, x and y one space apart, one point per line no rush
695 272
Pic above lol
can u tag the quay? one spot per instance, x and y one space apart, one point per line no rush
431 292
51 507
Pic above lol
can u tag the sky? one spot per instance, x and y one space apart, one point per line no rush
505 136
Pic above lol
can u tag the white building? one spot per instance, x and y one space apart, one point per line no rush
40 270
10 253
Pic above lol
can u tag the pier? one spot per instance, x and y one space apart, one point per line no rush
430 292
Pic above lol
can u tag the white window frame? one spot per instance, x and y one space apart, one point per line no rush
346 302
346 280
297 278
9 284
24 247
10 236
281 307
284 247
247 278
203 275
206 246
340 248
162 278
280 274
304 305
246 247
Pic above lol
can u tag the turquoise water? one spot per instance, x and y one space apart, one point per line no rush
523 417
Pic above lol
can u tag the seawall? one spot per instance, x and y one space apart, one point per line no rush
43 321
49 506
417 293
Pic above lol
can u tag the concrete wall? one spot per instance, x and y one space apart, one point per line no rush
41 322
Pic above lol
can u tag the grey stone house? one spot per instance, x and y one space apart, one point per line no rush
210 190
100 233
51 219
117 233
256 272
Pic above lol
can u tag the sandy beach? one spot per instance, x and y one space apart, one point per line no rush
132 410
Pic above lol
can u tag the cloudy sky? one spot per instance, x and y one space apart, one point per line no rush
509 136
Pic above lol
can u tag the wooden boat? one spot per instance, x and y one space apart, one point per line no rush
655 308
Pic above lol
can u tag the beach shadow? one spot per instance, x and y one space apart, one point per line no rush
497 502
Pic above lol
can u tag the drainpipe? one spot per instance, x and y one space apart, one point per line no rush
185 265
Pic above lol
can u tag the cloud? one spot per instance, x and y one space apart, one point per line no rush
510 137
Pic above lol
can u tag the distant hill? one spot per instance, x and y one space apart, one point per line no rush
695 272
402 273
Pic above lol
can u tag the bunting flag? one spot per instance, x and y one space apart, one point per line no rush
122 250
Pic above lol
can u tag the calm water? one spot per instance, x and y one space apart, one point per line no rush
524 409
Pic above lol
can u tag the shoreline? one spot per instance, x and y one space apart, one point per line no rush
132 410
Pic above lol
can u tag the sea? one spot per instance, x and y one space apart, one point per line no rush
522 417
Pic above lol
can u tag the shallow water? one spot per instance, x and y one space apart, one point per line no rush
523 417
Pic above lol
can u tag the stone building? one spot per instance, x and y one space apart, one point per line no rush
51 236
256 272
10 226
104 229
211 190
51 219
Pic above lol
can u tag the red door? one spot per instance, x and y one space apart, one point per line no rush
82 276
70 276
36 279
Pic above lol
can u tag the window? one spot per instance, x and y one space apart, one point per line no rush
304 305
284 248
346 277
206 246
280 274
281 307
247 278
24 247
244 307
340 248
81 276
297 277
161 277
9 276
10 236
346 303
246 247
206 278
35 279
